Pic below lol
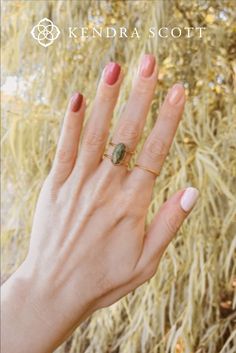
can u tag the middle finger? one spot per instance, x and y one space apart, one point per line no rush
134 115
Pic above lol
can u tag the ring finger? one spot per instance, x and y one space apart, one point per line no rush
158 143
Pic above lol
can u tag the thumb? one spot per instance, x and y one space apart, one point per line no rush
166 224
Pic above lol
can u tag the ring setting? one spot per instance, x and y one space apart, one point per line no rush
119 153
118 157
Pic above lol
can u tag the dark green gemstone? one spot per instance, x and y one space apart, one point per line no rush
118 153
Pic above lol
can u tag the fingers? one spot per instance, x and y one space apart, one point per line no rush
158 143
164 227
97 127
67 147
133 117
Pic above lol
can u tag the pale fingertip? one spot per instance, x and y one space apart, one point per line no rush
189 199
176 94
147 65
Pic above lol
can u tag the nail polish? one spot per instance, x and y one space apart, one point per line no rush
176 93
76 102
111 73
189 199
147 65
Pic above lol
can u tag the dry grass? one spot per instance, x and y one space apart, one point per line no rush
188 306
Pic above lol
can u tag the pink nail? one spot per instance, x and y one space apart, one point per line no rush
189 199
176 93
147 65
76 102
111 73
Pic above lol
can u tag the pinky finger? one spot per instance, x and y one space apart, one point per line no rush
165 226
67 148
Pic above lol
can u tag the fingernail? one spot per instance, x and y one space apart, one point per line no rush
111 73
189 198
147 65
176 93
76 102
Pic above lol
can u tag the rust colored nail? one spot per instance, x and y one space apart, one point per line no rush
76 102
112 72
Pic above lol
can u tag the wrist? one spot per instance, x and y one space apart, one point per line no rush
34 312
21 320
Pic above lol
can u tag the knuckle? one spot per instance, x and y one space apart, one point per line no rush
64 156
71 122
129 131
135 218
104 284
173 223
119 215
156 148
144 88
50 187
133 215
147 271
107 95
94 139
150 271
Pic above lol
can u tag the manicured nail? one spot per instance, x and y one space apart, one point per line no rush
147 65
176 93
111 73
76 102
189 198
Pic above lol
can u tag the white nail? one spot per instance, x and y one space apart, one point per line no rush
189 199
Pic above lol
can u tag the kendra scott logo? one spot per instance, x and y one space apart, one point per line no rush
45 32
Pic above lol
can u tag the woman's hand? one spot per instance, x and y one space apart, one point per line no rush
89 246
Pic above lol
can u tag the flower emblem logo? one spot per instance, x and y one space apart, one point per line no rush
45 32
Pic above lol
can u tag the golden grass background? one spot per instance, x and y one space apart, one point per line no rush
189 305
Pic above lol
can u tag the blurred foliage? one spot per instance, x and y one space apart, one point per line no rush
189 305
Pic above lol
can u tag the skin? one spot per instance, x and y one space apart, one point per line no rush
89 246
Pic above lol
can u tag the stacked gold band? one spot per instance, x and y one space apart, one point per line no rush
156 173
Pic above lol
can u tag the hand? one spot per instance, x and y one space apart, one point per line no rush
89 246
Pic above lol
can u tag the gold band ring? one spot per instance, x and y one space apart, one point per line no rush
110 157
147 169
118 154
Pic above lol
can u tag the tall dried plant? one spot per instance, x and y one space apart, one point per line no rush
189 305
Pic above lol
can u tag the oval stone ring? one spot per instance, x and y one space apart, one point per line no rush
119 153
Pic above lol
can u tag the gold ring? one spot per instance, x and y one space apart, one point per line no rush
115 144
118 154
147 169
110 157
